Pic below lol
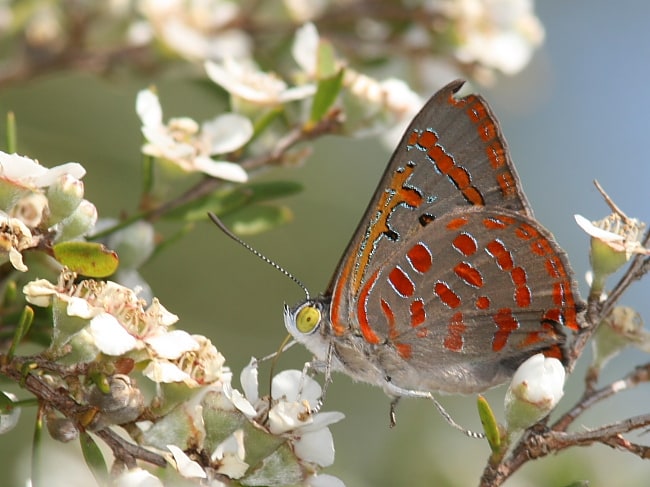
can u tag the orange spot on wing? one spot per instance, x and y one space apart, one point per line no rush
465 244
506 324
401 282
469 274
404 350
420 258
446 295
368 333
457 223
455 329
418 315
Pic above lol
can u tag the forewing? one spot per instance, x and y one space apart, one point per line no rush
453 155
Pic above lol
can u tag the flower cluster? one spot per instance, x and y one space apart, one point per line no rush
105 323
40 206
103 316
189 146
277 440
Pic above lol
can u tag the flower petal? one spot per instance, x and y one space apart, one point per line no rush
596 232
221 169
110 336
173 344
293 385
316 446
227 132
161 371
74 169
186 467
249 381
148 108
305 48
238 400
324 480
137 477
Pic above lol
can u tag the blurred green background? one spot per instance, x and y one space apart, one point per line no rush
579 112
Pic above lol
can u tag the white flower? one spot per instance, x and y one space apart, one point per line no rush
621 235
119 323
392 97
536 388
499 34
305 10
197 30
189 146
296 395
29 174
243 80
14 238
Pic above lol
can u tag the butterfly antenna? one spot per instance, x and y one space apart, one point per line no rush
217 221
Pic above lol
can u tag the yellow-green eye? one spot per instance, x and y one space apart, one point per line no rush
307 319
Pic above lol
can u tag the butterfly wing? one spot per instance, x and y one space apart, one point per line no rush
452 166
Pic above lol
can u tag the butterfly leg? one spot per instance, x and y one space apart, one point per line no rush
396 391
320 366
393 406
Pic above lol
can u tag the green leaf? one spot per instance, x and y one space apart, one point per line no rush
94 458
37 449
227 201
24 324
490 425
87 258
326 93
252 220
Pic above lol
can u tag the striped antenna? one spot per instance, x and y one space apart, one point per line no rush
217 221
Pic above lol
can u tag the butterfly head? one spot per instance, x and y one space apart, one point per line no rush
303 320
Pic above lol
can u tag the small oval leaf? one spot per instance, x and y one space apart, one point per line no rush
256 219
94 458
490 424
231 200
87 258
326 93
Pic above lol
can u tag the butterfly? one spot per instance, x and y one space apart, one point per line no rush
449 282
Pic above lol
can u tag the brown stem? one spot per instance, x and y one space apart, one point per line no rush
25 372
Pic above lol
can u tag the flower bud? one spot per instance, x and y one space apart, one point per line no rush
62 429
80 222
124 402
623 326
535 390
64 195
614 240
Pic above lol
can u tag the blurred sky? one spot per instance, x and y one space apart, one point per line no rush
579 112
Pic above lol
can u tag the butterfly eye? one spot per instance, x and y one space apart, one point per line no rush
307 319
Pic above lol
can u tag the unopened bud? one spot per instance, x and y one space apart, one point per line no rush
124 402
64 195
81 221
536 388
